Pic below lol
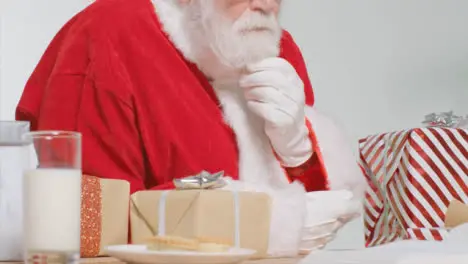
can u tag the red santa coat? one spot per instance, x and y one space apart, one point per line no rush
146 114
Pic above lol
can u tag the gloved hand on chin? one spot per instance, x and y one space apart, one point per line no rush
275 92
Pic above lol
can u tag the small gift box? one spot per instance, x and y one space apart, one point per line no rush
237 218
414 175
104 214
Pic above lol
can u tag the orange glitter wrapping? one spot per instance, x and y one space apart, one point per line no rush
91 213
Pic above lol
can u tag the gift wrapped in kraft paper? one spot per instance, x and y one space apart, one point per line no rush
240 219
457 215
104 214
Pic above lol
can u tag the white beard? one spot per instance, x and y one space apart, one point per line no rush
222 48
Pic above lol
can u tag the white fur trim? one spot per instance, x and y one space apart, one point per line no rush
171 19
340 163
257 162
260 171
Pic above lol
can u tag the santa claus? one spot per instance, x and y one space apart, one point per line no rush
165 89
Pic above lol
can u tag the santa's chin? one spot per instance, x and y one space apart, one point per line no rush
247 48
228 54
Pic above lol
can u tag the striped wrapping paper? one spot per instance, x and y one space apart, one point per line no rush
413 175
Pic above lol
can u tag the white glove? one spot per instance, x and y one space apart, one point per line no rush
327 213
275 92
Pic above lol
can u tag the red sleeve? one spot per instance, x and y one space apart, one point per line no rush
165 186
111 146
75 92
30 101
292 53
312 173
70 93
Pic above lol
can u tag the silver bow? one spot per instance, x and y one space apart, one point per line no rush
203 180
444 119
463 123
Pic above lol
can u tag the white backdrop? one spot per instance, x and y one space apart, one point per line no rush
376 65
27 28
380 65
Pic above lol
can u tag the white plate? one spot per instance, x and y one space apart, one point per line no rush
307 251
309 245
140 254
319 237
320 228
321 224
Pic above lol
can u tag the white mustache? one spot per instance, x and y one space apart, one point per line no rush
254 21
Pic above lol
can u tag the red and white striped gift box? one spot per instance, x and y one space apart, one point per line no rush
413 176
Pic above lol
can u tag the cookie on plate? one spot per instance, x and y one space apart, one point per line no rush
169 243
212 245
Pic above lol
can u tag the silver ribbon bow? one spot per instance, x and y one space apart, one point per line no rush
445 119
203 180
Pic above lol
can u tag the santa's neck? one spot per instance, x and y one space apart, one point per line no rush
187 38
214 70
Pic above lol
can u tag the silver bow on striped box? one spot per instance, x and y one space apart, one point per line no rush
446 119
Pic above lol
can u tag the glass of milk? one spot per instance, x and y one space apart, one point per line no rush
52 198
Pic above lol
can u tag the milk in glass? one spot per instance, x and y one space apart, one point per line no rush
52 198
52 213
